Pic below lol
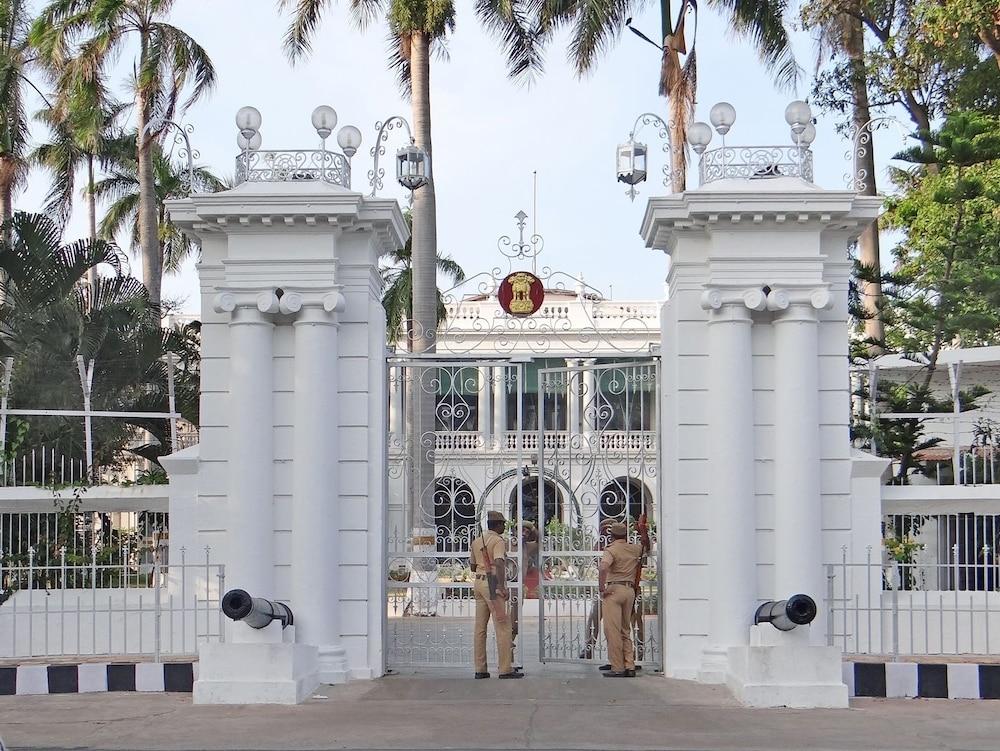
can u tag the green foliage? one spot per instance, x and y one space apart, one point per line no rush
509 21
397 288
945 288
902 549
48 318
903 65
121 188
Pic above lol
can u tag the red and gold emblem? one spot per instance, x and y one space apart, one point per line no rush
521 293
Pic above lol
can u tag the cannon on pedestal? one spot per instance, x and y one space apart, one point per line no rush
256 612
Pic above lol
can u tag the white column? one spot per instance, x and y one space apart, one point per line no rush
798 509
397 414
731 511
315 499
485 415
500 405
250 528
591 404
573 398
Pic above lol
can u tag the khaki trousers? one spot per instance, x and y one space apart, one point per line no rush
617 613
497 609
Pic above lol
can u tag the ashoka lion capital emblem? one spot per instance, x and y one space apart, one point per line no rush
521 293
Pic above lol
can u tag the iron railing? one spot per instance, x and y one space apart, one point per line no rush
128 609
889 607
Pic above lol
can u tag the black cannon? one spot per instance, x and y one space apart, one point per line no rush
256 612
784 615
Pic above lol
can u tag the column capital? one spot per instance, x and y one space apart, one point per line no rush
715 297
807 300
313 306
256 303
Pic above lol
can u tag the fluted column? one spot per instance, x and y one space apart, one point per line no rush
315 499
485 415
500 405
250 528
798 517
731 504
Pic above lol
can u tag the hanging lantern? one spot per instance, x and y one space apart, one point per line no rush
413 167
631 162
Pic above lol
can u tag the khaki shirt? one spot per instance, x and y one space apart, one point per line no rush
491 543
621 559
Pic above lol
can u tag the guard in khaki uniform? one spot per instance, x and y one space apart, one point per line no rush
616 581
489 567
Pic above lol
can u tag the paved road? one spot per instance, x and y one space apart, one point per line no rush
545 712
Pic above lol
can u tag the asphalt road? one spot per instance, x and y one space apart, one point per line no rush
539 712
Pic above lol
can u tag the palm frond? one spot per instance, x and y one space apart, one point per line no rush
762 22
512 23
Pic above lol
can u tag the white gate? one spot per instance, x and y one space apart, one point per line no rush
606 466
443 478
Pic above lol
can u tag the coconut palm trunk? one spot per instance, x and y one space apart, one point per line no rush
149 241
91 217
864 164
6 192
422 401
677 130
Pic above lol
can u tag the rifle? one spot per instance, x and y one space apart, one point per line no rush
641 528
493 583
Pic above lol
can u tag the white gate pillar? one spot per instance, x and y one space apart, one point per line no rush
732 512
293 399
798 517
250 534
315 503
753 502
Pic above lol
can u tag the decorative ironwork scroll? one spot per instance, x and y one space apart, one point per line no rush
755 162
288 166
610 460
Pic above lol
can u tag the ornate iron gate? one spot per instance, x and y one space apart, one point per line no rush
466 459
603 465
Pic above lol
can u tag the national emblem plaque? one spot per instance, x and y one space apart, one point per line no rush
521 293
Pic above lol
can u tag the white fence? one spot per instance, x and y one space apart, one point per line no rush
888 607
130 609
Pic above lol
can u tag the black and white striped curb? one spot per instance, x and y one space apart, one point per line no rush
97 677
897 680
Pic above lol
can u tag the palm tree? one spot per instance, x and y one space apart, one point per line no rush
122 188
49 318
416 29
95 32
397 291
16 57
82 124
596 25
841 34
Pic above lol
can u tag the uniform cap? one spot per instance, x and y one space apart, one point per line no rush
494 516
618 530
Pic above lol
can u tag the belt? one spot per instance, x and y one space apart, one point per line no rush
627 583
480 576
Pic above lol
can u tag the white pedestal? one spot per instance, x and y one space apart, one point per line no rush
332 665
256 672
784 670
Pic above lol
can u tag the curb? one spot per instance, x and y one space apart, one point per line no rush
177 677
900 680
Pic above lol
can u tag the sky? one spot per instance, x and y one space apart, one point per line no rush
490 135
